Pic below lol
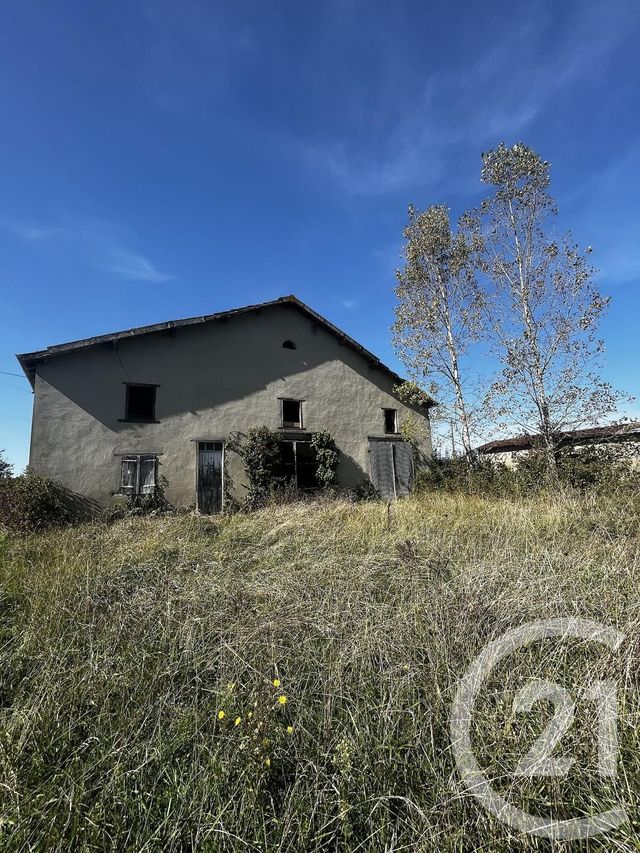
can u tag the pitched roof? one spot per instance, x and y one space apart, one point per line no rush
593 435
30 360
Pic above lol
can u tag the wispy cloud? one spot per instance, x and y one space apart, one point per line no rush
349 304
135 267
31 232
101 242
412 136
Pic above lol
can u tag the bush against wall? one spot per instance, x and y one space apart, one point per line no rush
327 457
259 449
267 478
30 504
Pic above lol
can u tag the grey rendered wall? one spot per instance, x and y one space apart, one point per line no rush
214 379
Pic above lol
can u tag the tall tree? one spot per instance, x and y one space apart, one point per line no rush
437 311
545 308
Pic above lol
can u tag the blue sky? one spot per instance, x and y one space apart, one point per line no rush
163 159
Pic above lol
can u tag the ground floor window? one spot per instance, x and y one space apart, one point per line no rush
138 474
299 463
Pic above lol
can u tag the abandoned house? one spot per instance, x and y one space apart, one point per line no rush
113 414
621 440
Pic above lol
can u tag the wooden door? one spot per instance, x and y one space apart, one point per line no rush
210 465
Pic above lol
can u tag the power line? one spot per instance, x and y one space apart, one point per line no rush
19 375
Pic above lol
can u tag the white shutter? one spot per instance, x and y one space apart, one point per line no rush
128 475
147 475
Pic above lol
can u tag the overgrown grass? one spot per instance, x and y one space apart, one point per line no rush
121 644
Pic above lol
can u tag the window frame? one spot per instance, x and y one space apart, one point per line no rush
129 420
298 464
385 411
291 424
138 490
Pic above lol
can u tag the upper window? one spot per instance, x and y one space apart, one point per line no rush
140 403
139 474
390 421
288 345
292 413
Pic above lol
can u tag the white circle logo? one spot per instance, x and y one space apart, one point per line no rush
539 760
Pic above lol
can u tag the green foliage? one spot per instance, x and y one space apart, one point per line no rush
261 452
261 455
327 457
6 469
30 503
412 394
586 469
155 503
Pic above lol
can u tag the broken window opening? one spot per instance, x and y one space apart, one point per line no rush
299 464
292 413
140 403
390 421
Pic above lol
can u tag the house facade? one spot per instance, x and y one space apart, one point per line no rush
116 414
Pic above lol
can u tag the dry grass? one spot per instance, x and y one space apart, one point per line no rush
119 646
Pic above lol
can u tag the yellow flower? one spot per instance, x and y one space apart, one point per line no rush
250 714
237 721
267 761
221 715
282 700
276 682
231 686
289 730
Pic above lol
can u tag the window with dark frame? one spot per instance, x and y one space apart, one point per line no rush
140 403
138 474
390 421
299 464
292 413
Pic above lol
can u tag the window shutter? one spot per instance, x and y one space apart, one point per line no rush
382 472
404 467
147 475
128 475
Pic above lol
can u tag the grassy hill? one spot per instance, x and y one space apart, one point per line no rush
142 667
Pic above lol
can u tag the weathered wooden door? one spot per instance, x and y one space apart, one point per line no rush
210 464
391 467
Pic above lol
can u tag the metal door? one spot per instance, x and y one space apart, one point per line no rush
210 464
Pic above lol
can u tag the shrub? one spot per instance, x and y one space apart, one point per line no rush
30 503
138 505
261 455
584 469
327 457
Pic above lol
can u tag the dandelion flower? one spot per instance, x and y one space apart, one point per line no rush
221 715
267 761
231 686
237 721
289 730
282 700
276 682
